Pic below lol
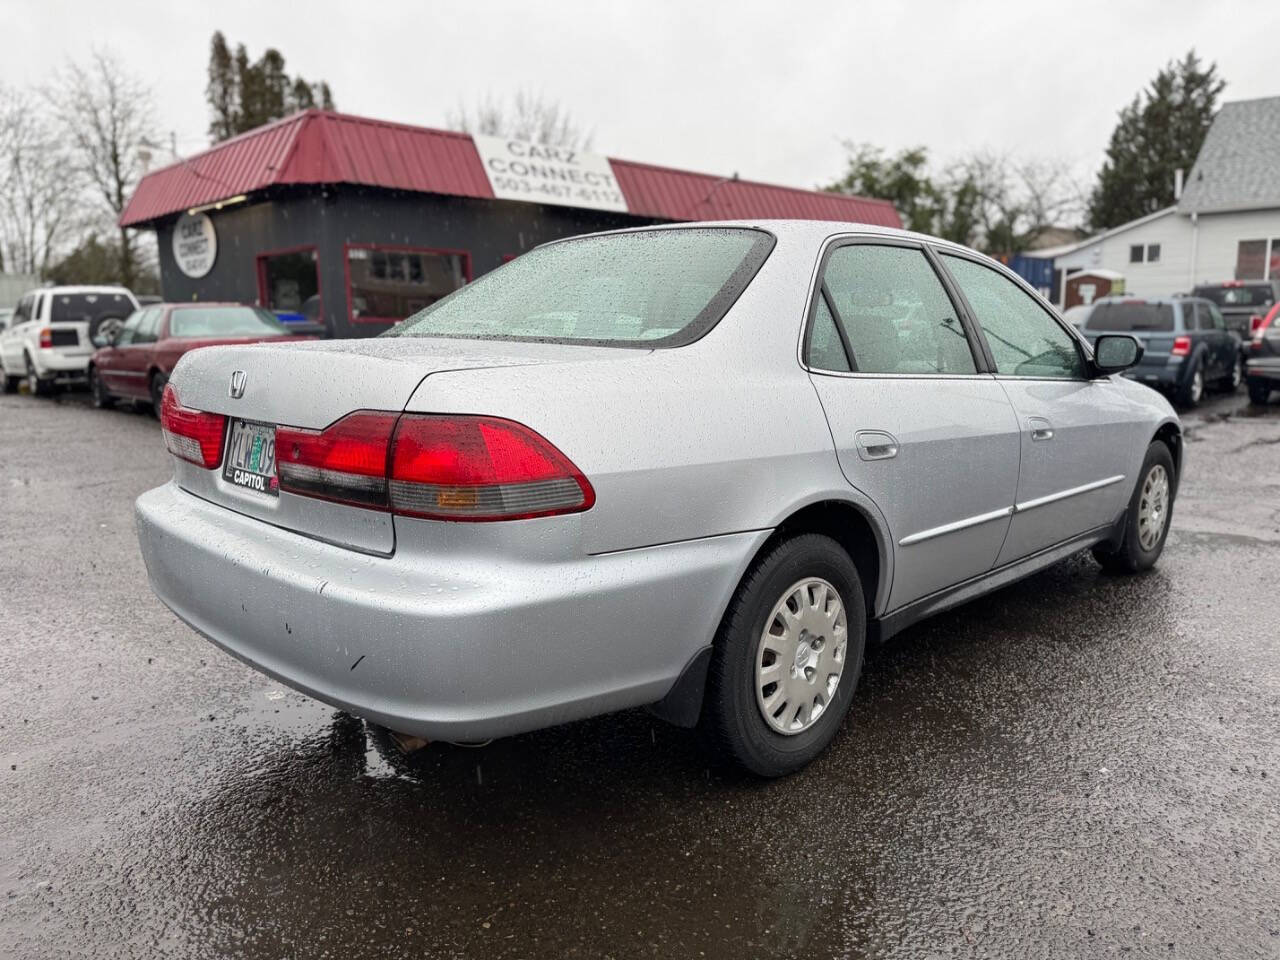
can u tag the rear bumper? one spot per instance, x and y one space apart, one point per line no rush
452 647
1267 368
51 363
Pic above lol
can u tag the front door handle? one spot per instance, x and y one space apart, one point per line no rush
1041 429
876 445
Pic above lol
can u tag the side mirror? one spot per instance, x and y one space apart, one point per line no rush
1113 352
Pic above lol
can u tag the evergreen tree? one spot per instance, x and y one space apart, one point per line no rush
1161 130
244 94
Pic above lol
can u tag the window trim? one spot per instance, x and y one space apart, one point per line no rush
467 275
818 288
1082 348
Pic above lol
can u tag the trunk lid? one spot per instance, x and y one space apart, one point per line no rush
312 385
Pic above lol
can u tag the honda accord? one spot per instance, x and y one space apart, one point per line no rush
695 467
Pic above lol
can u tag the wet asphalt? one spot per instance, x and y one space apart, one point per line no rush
1079 765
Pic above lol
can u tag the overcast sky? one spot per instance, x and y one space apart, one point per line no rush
766 89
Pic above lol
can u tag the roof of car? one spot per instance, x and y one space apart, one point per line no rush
80 288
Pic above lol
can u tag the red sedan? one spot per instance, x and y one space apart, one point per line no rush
135 361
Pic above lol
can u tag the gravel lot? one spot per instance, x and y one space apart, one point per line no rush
1078 765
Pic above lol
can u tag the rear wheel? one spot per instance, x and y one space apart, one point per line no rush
37 385
11 382
158 381
1259 391
98 390
787 658
1146 524
1191 392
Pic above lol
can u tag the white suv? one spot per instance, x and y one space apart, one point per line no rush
50 335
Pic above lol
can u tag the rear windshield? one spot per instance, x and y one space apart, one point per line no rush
1126 317
1245 295
89 306
225 322
655 288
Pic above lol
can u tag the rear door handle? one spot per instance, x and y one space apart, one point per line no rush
876 445
1041 429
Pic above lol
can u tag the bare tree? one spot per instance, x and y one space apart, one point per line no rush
528 116
105 114
1002 203
37 197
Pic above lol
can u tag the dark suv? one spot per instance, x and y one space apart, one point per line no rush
1243 302
1186 343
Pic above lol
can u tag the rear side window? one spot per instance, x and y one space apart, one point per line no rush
1024 338
1134 316
895 312
648 288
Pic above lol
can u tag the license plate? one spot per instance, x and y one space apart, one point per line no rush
251 457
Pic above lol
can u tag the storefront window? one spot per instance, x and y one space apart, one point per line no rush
387 285
289 284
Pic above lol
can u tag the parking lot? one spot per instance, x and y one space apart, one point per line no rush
1078 765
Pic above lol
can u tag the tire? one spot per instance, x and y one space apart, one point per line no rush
1259 391
11 383
157 384
98 390
1231 382
37 386
1140 549
1190 393
734 725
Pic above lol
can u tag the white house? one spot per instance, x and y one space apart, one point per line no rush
1224 226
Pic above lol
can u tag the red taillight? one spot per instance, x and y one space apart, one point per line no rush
1181 346
46 338
191 435
481 468
346 462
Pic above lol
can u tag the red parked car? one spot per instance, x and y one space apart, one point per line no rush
134 361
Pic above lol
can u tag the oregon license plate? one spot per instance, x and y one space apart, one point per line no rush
251 457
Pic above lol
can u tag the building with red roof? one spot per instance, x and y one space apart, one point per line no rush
359 222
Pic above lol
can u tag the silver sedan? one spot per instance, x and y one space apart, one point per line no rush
695 467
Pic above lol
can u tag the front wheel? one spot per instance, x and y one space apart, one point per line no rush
1259 391
1146 524
1231 382
98 390
786 659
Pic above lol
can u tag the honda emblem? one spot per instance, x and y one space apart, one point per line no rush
238 381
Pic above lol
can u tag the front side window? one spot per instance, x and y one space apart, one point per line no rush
225 322
148 325
1216 315
23 312
1025 340
650 288
895 312
130 329
388 286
